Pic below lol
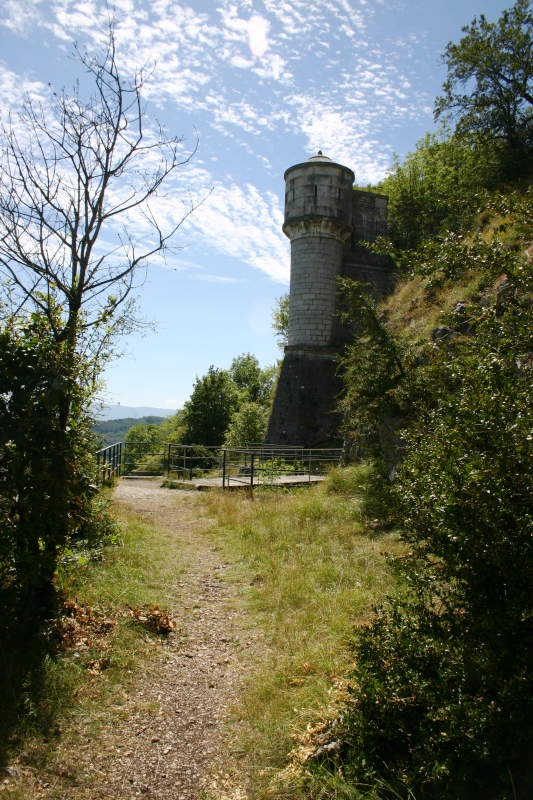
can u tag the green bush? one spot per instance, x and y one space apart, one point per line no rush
443 688
436 187
47 471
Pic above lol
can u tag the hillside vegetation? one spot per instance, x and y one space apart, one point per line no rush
440 397
114 430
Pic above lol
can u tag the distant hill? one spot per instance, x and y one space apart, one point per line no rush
132 412
114 430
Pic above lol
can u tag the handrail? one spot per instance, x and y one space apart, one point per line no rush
109 463
251 465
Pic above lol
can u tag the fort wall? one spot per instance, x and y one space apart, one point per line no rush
326 221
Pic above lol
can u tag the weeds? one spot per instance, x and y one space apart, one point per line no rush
311 571
112 609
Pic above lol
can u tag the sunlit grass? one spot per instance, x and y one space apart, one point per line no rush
144 568
313 571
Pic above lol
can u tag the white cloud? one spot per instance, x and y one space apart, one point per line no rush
245 224
20 15
238 222
15 89
248 72
343 135
258 35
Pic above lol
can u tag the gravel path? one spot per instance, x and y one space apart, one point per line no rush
181 749
167 739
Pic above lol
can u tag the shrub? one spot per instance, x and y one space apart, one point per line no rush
443 688
46 467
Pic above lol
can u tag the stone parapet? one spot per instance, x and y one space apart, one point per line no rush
320 226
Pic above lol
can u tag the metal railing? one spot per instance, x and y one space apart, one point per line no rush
250 466
144 458
189 461
109 463
275 465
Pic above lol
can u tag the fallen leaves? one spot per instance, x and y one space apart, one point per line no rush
85 630
155 619
82 627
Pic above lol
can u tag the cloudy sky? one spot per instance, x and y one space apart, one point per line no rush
262 84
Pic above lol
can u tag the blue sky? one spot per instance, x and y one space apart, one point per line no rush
265 84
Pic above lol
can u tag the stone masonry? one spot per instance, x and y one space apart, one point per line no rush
326 220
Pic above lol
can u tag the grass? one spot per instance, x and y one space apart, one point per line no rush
308 563
314 564
62 698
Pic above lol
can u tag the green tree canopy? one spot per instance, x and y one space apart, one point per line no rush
173 428
435 187
255 383
248 425
208 412
489 87
144 432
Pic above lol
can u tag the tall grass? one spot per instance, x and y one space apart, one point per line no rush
313 567
46 689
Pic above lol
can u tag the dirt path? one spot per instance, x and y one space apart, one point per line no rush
183 748
179 751
167 739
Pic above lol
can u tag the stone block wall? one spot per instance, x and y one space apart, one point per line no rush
369 217
304 410
315 257
325 221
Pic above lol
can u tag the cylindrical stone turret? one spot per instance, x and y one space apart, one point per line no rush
318 221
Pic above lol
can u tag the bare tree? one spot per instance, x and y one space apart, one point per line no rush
76 180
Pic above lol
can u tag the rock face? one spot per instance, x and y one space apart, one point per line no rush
325 221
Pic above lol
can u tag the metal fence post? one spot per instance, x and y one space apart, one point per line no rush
224 470
252 476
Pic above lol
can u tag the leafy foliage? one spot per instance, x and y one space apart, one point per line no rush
46 469
443 688
436 187
220 394
144 432
373 367
280 320
208 412
247 425
489 87
255 383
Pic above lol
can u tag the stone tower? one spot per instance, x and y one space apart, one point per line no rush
325 221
